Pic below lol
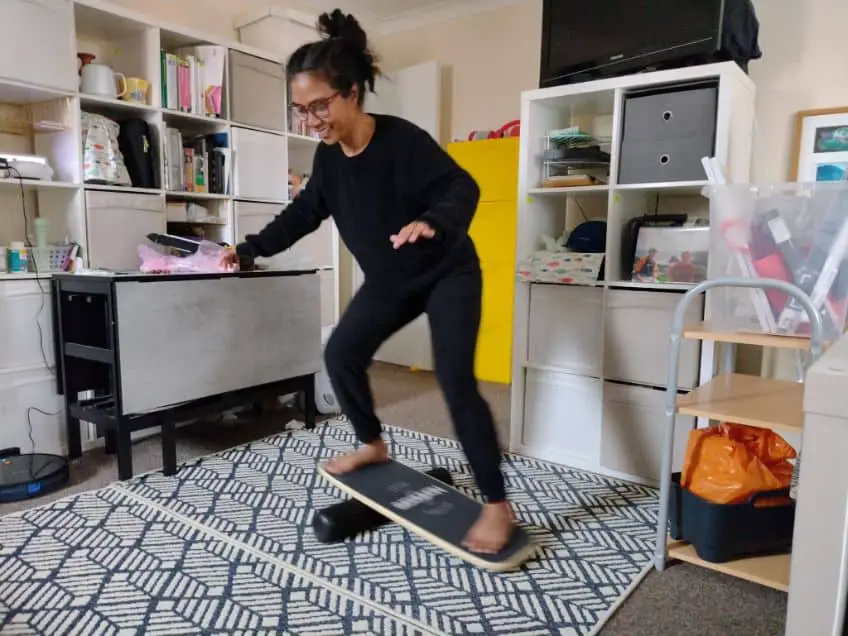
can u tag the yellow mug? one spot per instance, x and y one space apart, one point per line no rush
137 90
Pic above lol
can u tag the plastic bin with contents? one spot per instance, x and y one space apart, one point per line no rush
794 232
732 498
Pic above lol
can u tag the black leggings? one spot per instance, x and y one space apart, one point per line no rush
452 305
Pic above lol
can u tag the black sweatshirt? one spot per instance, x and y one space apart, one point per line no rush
402 176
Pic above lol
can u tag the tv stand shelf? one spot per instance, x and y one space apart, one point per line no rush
586 393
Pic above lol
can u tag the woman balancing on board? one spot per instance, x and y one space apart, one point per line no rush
403 208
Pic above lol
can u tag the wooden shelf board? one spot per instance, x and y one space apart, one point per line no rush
176 117
303 140
680 187
36 184
198 196
771 571
14 92
699 331
25 276
119 105
635 284
571 190
121 189
747 399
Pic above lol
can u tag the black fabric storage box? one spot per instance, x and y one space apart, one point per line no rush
666 131
724 532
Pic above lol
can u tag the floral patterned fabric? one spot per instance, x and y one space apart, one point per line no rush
567 268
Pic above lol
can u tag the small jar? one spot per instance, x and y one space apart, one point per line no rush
18 258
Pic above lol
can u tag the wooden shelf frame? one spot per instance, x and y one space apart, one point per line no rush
701 331
770 571
747 399
743 399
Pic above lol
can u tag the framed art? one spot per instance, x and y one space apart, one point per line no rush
821 145
671 254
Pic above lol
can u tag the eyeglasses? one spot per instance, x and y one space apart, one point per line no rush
319 108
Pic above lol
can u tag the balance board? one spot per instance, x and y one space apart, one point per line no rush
425 506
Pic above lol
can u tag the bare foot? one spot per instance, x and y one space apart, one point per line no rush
366 454
492 530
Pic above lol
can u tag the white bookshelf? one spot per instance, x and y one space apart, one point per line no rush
110 221
590 362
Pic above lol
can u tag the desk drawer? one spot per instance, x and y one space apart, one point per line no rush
562 415
21 344
182 340
632 434
250 77
636 342
565 328
260 167
117 223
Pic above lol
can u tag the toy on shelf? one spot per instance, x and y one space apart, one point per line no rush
509 129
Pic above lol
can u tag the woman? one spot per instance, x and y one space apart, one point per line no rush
403 208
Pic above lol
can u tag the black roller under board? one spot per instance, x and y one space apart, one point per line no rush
347 519
429 508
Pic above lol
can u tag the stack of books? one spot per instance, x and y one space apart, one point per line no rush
197 164
193 79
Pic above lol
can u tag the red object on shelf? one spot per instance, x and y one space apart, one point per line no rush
773 266
509 129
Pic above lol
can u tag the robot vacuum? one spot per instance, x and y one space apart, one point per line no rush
30 475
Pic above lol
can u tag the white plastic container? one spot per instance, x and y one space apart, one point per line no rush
793 232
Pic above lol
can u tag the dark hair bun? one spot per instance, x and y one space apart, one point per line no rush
343 25
342 56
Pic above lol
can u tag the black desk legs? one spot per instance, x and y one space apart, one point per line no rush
309 408
169 444
124 444
72 428
110 442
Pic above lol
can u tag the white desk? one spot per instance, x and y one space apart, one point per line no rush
818 584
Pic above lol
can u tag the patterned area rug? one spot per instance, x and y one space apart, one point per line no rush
226 547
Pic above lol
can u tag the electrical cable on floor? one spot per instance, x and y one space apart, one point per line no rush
14 172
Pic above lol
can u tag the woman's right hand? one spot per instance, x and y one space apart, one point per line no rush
230 260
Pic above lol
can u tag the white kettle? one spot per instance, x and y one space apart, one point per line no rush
99 79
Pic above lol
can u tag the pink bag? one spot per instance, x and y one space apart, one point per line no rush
207 259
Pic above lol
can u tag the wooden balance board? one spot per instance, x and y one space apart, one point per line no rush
429 508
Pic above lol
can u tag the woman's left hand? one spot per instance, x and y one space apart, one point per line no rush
411 233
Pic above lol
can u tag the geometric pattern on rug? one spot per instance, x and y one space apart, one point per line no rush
103 563
596 533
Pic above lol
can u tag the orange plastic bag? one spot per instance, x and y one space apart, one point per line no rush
729 463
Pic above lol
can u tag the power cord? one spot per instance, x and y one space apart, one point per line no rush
15 173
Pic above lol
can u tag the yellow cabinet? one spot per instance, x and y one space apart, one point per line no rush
494 165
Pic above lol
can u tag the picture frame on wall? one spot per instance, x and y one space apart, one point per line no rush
821 146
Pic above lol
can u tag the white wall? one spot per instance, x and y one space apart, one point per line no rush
490 57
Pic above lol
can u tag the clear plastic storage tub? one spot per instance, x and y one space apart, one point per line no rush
795 232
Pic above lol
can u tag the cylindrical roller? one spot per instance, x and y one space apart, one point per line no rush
349 518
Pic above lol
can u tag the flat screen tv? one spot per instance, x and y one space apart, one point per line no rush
592 39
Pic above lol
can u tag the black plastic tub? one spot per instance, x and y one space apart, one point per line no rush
724 532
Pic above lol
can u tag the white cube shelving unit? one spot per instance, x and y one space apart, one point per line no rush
39 83
590 362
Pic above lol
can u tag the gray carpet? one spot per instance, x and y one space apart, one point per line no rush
683 600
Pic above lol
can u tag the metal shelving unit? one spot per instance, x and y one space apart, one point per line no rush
745 399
